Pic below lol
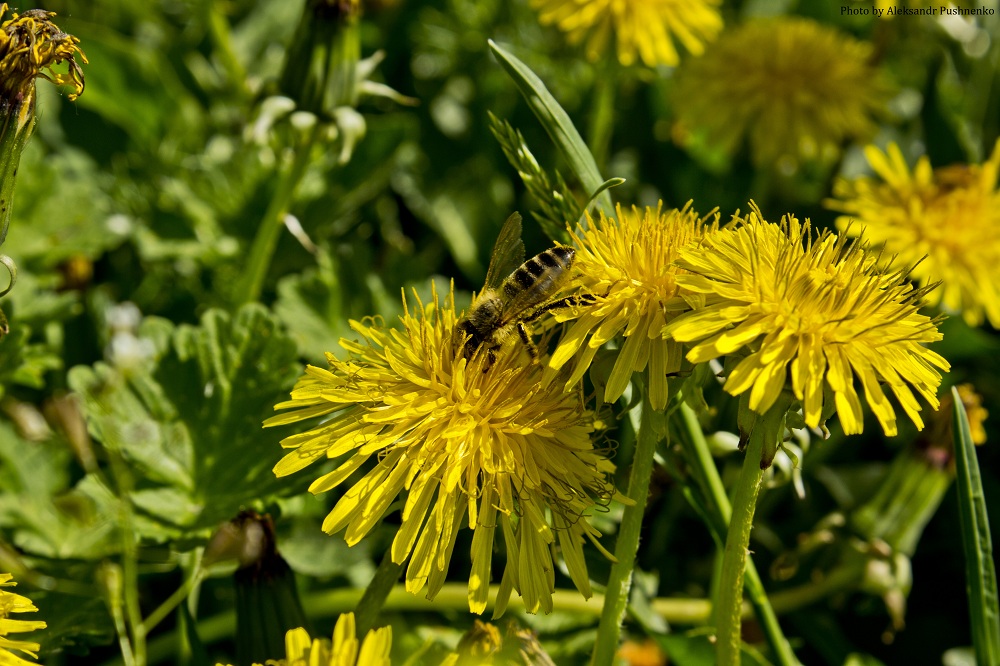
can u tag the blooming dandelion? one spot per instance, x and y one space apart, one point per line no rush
812 312
947 221
625 265
478 440
343 649
15 603
643 28
791 87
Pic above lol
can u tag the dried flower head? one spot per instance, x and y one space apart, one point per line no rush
478 440
30 46
946 219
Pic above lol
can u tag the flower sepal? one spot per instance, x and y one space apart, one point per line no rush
769 426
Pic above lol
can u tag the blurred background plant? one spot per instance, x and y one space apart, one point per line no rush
241 178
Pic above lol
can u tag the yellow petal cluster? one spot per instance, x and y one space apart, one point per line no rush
343 649
812 312
946 219
15 603
625 266
643 28
791 87
481 442
30 46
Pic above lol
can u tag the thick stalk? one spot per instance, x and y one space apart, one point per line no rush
620 579
715 493
266 240
734 558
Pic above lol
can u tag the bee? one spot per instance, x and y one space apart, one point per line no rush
514 295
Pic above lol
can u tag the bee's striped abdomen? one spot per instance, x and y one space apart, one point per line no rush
538 274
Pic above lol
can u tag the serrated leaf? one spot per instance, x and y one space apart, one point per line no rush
980 568
191 428
556 122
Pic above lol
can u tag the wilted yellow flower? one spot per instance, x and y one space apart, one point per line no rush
343 650
809 311
792 87
30 46
644 27
946 221
480 439
484 645
624 264
15 603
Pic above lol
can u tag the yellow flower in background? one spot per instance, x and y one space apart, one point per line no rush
813 312
14 603
946 221
343 649
481 441
625 265
791 87
643 28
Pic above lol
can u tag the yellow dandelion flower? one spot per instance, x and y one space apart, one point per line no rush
792 87
946 219
647 28
30 46
15 603
813 307
343 649
480 440
625 265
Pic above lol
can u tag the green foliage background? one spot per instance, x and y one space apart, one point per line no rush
149 190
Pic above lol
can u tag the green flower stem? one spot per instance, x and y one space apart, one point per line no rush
620 579
175 599
222 37
734 558
136 650
715 492
455 597
266 240
376 593
602 114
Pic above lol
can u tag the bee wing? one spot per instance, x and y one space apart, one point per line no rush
508 252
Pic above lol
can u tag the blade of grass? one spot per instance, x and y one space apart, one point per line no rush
557 123
981 580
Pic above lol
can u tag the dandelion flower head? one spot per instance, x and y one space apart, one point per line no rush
343 649
481 441
814 309
30 46
643 28
624 265
791 87
946 219
15 603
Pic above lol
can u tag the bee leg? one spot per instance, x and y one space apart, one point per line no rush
522 331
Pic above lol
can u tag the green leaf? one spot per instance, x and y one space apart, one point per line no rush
981 581
24 363
557 123
191 428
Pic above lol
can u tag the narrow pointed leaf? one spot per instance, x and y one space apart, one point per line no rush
981 581
557 123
